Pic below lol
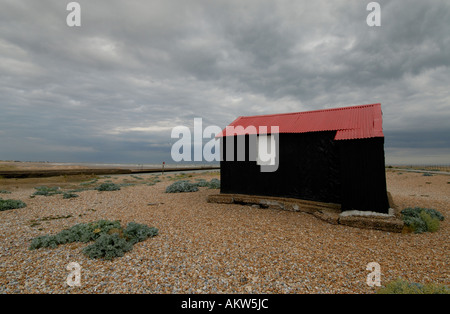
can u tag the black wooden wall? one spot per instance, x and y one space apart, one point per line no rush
313 166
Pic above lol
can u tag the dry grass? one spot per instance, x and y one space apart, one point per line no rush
445 168
7 166
61 181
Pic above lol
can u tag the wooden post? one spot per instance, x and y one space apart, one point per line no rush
163 166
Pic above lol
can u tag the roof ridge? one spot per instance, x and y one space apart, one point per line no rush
312 111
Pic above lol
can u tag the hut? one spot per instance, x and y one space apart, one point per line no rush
331 156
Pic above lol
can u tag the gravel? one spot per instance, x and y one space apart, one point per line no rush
218 248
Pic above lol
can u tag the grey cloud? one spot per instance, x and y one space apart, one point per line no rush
134 68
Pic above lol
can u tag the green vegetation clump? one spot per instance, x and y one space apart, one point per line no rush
432 224
5 192
108 187
402 286
83 232
421 220
135 232
187 186
201 182
108 246
214 184
67 195
111 240
182 186
47 191
11 204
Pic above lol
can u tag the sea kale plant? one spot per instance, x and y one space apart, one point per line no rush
135 232
11 204
401 286
187 186
67 195
111 239
108 246
182 186
47 191
214 184
421 220
108 187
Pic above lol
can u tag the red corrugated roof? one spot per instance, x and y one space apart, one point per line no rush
355 122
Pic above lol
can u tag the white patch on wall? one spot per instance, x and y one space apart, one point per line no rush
266 150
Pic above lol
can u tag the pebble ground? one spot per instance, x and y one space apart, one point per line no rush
218 248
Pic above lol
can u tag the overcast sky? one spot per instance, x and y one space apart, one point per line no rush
112 89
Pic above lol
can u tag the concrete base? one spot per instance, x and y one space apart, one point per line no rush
330 213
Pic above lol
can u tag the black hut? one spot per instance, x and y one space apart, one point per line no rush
332 156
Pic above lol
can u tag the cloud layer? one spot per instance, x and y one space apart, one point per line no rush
112 89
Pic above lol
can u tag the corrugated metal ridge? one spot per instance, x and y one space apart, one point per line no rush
310 111
362 121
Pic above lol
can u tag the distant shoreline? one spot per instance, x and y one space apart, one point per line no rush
14 169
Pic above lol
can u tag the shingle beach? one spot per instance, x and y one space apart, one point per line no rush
218 248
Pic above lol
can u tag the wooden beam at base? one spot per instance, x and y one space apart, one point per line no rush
324 211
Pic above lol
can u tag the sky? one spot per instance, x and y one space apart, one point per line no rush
113 89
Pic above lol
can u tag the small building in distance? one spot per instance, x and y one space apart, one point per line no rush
331 156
